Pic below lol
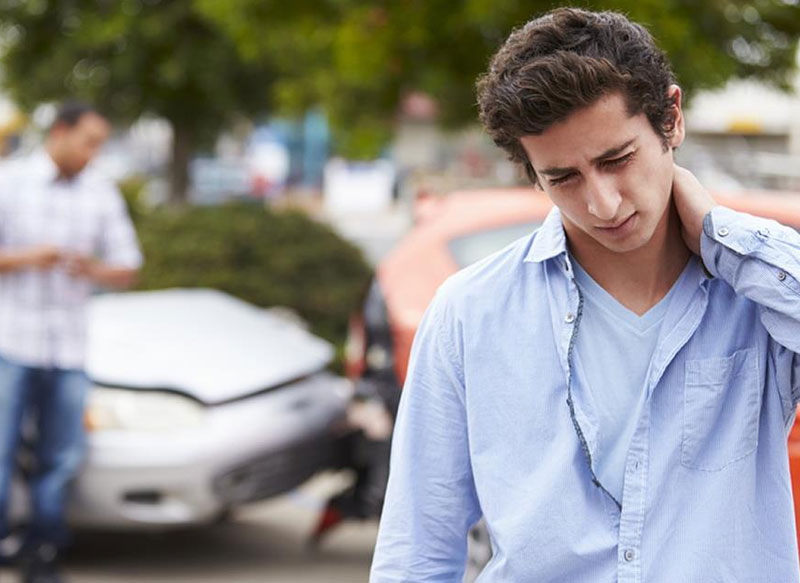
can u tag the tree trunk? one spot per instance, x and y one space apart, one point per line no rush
179 165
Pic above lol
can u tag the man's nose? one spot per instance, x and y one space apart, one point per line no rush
603 198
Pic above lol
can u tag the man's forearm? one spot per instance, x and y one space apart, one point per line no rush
12 261
760 259
39 258
113 277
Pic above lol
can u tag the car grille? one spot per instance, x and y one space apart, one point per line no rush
279 471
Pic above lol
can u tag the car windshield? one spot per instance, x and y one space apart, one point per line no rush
468 249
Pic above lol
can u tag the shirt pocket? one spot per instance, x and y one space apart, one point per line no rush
721 404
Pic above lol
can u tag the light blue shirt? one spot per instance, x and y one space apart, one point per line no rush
613 353
493 422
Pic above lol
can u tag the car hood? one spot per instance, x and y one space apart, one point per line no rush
201 342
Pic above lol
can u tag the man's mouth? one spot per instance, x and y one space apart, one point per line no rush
620 226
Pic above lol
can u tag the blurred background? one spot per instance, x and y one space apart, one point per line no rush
281 153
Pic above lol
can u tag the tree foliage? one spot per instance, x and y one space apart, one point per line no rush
129 57
197 62
359 57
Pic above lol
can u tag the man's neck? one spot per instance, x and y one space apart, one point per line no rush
641 278
52 152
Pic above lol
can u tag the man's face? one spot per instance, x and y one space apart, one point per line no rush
79 144
609 174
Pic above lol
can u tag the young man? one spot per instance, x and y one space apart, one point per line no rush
613 393
63 230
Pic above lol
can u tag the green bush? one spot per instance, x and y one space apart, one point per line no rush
265 257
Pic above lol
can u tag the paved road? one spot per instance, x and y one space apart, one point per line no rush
263 543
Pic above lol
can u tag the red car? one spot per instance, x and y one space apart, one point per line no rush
460 229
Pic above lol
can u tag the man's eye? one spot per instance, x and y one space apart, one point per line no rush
560 179
618 161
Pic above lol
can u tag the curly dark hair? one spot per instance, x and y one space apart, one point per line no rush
566 60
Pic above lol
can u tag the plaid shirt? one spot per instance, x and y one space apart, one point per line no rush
43 312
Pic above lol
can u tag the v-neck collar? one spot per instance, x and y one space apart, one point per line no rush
595 293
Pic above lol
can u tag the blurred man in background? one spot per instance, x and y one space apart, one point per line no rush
63 230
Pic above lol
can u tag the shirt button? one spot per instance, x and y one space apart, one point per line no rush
763 232
628 555
635 464
723 232
570 318
781 275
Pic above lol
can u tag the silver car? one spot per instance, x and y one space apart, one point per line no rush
200 402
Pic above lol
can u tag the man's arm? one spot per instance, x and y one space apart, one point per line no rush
430 501
760 259
108 276
44 257
119 248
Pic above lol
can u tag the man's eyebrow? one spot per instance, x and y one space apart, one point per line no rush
610 153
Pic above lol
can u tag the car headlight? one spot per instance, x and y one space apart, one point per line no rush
141 410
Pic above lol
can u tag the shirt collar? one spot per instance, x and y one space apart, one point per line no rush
550 240
44 167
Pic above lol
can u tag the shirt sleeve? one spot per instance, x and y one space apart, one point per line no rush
119 246
430 500
760 259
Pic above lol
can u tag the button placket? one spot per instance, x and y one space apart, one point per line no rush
632 518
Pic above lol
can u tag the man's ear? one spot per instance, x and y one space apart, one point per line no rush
676 129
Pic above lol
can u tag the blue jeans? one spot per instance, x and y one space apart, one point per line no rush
54 399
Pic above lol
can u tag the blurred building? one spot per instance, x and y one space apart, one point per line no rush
746 134
432 161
